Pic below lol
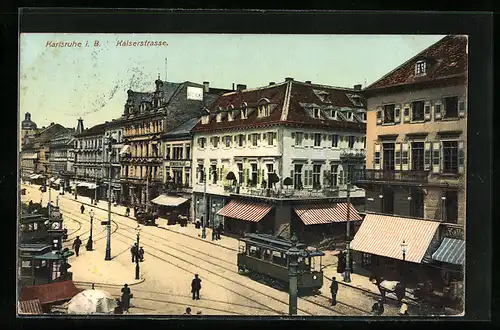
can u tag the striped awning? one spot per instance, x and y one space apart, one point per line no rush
32 307
383 235
315 214
451 251
245 210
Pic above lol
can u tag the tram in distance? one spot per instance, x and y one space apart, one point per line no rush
266 256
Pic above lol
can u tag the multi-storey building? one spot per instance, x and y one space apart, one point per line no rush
177 170
61 158
28 129
146 117
113 129
88 164
279 155
29 161
415 174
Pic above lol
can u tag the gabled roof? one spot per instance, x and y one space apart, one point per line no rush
446 58
290 103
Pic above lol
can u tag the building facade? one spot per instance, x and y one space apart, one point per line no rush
271 147
113 129
88 164
416 163
28 129
60 158
146 117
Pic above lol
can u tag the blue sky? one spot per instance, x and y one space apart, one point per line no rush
61 84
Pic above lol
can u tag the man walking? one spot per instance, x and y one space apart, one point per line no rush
134 251
195 287
76 245
127 211
126 295
82 208
334 288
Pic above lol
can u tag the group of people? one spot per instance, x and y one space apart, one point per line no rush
137 253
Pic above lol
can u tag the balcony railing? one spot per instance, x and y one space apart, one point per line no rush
353 153
388 175
286 192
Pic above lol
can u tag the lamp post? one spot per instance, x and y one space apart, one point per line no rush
137 269
403 250
108 241
204 224
293 255
47 183
347 273
90 243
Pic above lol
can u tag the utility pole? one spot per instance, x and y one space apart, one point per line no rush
108 241
293 256
47 182
204 228
137 269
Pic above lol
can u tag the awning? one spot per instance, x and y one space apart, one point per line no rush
31 307
383 235
451 251
169 200
313 214
124 149
244 210
49 293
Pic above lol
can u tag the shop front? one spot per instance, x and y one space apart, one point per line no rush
171 207
242 216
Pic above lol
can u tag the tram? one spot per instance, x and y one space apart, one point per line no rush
266 256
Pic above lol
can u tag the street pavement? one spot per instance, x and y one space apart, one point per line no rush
173 255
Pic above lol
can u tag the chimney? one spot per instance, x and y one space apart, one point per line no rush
288 79
233 86
241 87
206 86
52 123
272 83
79 127
357 87
308 81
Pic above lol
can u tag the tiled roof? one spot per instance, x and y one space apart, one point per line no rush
287 100
445 58
94 130
49 293
32 307
183 128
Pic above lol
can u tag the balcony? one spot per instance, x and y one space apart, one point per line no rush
359 154
370 175
285 193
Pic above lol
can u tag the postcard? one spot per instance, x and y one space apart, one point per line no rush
218 175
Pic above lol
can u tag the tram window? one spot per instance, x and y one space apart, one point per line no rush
30 227
23 228
26 264
35 225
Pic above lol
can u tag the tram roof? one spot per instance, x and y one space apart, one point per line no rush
270 239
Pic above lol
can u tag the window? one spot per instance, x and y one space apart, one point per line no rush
350 171
388 200
243 113
450 156
240 172
417 203
317 140
213 170
316 113
215 141
241 140
333 114
349 115
317 176
255 137
333 172
177 152
451 206
264 110
366 260
352 139
451 107
188 151
299 136
219 117
417 156
270 170
297 177
335 140
389 113
201 142
254 175
270 138
420 68
227 141
388 156
417 111
201 173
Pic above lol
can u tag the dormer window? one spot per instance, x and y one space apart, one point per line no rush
219 117
244 111
420 68
230 113
264 110
349 115
205 119
316 113
333 114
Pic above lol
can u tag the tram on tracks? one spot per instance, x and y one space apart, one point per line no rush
266 256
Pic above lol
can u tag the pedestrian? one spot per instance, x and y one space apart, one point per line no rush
76 245
126 295
57 201
127 211
399 290
30 206
196 287
219 230
188 311
334 288
141 254
134 251
340 263
82 208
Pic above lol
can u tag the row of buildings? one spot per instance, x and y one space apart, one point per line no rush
297 156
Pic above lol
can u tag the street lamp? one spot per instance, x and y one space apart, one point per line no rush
137 270
293 255
403 250
89 242
204 224
347 273
108 241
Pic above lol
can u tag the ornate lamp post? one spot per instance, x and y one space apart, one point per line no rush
89 245
293 255
347 273
404 247
137 270
108 241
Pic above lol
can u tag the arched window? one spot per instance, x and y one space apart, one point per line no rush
263 108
